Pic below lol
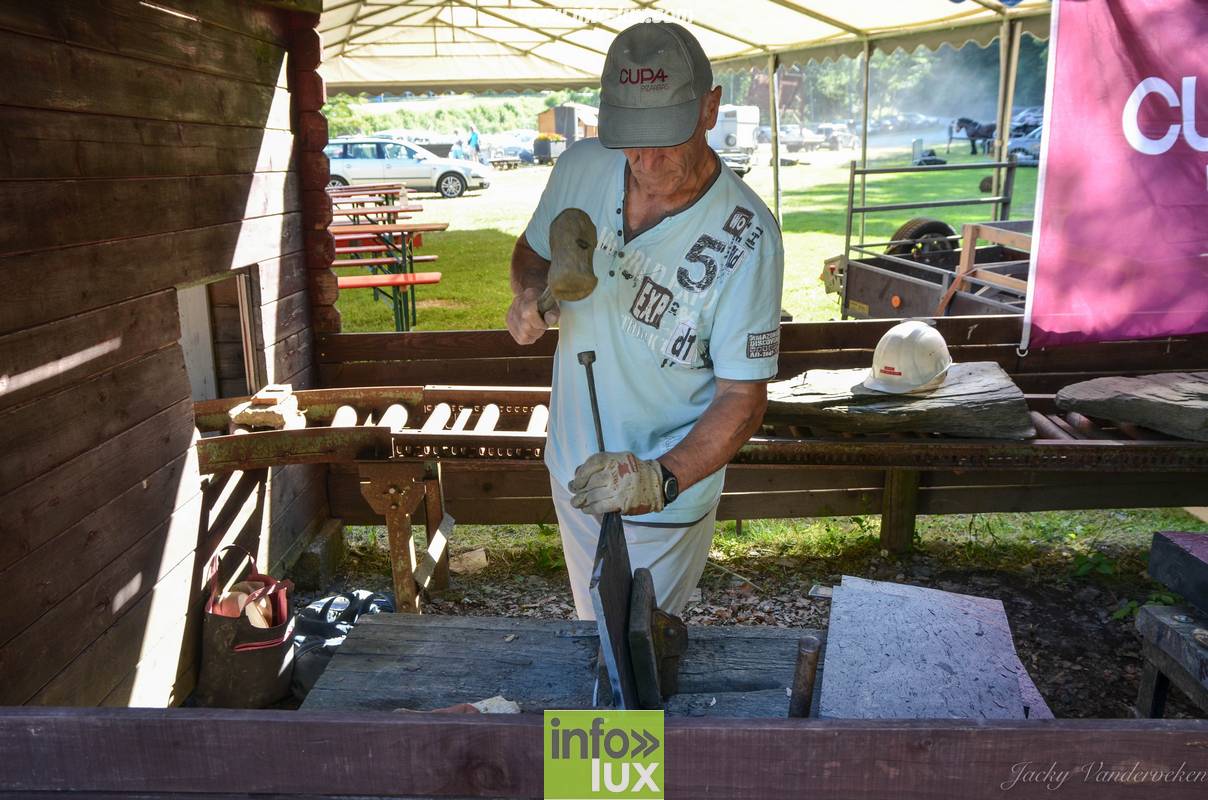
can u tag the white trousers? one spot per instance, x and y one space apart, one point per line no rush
675 556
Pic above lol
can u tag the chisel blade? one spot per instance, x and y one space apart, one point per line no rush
611 585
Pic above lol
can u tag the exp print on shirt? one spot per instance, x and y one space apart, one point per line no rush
672 308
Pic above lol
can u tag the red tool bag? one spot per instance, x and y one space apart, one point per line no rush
247 648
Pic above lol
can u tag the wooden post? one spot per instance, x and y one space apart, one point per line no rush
774 119
803 676
1151 694
898 506
395 492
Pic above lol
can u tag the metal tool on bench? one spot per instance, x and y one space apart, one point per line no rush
572 241
640 645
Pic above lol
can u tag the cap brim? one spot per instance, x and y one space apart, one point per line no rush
664 126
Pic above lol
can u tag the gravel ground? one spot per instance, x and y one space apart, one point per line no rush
1085 663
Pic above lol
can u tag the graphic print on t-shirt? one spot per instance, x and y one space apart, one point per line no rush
688 293
650 303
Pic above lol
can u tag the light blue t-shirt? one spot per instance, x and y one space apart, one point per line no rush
695 298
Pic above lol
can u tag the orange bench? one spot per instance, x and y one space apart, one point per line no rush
394 282
365 262
389 280
380 261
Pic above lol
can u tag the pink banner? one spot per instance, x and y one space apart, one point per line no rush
1121 236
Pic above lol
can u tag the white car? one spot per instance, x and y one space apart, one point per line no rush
373 160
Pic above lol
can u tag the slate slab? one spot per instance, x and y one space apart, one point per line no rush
897 654
986 610
1175 403
976 400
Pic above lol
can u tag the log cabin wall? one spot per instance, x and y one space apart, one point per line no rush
145 148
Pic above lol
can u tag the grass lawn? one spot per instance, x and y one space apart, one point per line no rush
475 251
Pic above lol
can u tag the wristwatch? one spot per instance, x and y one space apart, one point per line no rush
670 485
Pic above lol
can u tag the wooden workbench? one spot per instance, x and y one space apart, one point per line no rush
424 662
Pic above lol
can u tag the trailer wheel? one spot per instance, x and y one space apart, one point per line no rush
920 238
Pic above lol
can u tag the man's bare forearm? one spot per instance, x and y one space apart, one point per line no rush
727 424
529 270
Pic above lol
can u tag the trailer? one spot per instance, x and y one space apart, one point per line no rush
926 268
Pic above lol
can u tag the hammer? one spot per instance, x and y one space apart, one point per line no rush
572 240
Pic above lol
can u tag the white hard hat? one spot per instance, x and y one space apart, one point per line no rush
910 356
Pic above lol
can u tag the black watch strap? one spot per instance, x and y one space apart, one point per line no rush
670 484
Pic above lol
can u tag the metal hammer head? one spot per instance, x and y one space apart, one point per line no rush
572 241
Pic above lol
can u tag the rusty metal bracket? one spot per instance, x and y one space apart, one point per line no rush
395 491
670 642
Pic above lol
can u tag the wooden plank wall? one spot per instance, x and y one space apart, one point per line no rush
143 147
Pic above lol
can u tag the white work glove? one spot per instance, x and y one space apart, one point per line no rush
617 482
525 322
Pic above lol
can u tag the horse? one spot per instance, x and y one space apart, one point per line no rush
974 130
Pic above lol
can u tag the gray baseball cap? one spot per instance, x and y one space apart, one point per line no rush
654 78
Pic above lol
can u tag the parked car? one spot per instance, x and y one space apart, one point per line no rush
373 159
916 120
737 160
1027 119
790 138
837 135
882 125
1026 148
811 140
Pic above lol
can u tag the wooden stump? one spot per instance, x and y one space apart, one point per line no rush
1180 562
1172 402
977 400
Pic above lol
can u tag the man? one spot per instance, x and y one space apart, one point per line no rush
685 319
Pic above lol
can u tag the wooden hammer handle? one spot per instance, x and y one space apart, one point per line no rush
546 302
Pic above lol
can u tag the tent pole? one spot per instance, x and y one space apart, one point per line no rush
864 133
1008 61
774 116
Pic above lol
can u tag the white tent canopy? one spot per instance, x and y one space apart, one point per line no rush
474 45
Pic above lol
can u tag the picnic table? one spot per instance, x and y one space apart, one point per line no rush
391 261
366 187
372 214
365 193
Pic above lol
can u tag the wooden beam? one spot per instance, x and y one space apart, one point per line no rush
131 751
278 448
898 507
